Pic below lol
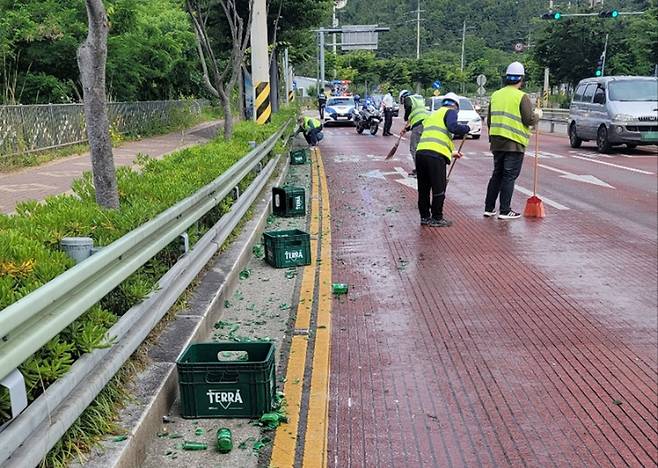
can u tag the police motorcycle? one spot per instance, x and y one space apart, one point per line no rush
367 118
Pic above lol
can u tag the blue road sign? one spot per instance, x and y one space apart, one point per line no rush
436 84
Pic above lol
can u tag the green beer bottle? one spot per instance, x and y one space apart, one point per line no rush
224 440
189 445
339 288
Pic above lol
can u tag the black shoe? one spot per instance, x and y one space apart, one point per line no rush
440 223
425 221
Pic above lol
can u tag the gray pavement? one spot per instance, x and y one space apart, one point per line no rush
261 306
55 177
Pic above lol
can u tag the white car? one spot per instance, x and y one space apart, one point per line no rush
467 114
339 109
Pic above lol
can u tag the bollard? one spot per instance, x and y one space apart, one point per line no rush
78 248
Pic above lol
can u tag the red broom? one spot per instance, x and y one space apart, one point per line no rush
534 207
395 147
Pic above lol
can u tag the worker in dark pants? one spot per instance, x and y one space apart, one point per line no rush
322 103
387 107
435 151
311 128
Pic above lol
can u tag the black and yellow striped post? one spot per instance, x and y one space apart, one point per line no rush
263 104
291 95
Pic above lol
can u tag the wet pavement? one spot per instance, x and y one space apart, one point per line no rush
493 343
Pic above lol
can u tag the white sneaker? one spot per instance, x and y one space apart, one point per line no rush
490 214
511 214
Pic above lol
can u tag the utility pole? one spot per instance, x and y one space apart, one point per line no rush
418 32
462 62
260 63
334 24
286 74
605 53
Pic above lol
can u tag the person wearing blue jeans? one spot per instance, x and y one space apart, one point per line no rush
507 167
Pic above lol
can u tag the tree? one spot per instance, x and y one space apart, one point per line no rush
92 56
222 83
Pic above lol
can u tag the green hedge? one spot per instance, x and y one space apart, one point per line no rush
29 240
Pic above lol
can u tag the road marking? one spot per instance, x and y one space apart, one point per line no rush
317 426
398 135
285 440
589 179
377 174
546 200
632 169
548 155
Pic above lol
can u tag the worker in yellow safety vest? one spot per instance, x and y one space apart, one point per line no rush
510 118
435 151
311 128
414 114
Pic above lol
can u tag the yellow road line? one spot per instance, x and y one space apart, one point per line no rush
315 441
285 439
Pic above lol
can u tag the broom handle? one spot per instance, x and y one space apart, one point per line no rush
452 166
534 184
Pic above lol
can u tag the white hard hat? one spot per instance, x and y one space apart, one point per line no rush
403 94
515 69
451 97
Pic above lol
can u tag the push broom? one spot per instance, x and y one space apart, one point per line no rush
534 207
395 147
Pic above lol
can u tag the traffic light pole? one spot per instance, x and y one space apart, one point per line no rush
605 54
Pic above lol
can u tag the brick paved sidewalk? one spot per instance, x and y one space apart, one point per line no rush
36 183
490 343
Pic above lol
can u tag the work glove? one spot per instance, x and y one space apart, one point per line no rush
538 113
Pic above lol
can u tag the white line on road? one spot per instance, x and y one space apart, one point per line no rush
546 200
632 169
590 179
398 135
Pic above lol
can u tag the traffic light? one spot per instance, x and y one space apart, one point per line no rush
599 66
552 15
609 14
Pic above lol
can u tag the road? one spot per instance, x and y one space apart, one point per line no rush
526 342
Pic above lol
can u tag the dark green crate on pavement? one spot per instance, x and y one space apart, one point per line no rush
285 249
214 388
300 156
289 201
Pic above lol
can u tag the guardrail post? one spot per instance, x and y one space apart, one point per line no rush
185 247
552 126
15 383
235 193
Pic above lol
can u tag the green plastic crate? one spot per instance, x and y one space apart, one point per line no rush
210 388
300 156
285 249
288 201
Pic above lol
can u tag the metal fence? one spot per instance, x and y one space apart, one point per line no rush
26 129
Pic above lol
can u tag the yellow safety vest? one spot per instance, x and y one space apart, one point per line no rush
435 136
418 111
506 115
310 123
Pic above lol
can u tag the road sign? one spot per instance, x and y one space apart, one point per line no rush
481 91
436 84
481 80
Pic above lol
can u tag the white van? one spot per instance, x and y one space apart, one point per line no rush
615 110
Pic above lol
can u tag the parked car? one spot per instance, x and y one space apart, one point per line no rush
614 110
339 109
467 114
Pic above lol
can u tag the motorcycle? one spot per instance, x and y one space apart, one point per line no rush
367 118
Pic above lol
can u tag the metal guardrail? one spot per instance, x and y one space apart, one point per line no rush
26 129
555 116
31 322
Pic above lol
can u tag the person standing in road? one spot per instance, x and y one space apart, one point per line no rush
414 114
322 103
435 151
387 107
311 128
509 121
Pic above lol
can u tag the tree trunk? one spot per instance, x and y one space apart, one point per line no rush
225 98
92 56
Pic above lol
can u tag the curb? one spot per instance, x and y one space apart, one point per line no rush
155 389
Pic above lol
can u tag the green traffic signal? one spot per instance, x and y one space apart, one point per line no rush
557 15
598 73
614 13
